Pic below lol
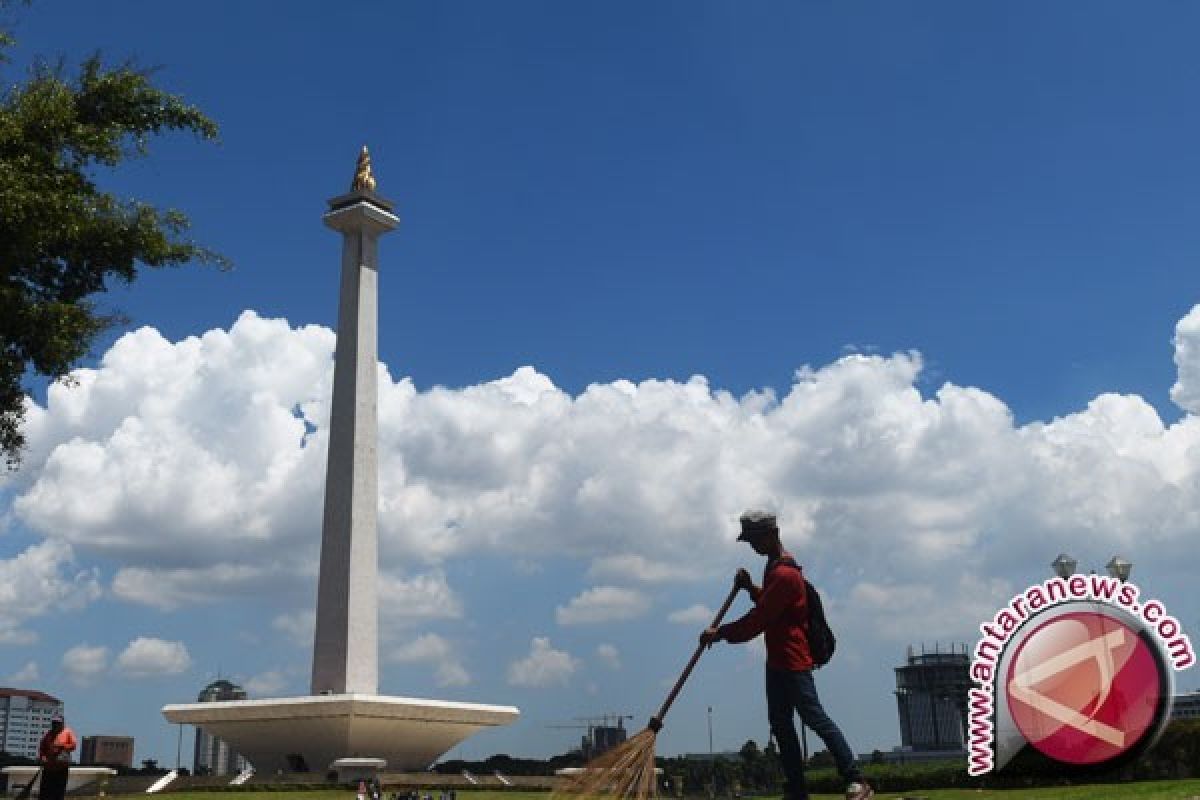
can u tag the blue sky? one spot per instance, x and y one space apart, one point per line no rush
790 200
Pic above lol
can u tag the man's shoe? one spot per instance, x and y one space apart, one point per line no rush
859 790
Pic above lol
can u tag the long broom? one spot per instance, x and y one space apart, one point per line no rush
27 789
626 772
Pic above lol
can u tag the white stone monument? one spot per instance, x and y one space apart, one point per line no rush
344 717
345 657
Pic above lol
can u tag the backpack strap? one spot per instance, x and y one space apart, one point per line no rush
786 561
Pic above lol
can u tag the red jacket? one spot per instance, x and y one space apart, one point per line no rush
54 750
781 612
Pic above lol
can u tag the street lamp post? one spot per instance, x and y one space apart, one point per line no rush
1063 566
712 760
1118 567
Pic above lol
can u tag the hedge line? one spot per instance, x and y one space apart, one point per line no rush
1176 755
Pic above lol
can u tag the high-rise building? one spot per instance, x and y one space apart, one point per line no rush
106 751
25 716
214 756
931 697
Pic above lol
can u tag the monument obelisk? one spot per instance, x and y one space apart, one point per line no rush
345 657
344 719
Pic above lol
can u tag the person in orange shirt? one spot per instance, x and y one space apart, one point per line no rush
54 754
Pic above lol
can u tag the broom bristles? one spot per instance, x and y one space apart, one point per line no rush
626 772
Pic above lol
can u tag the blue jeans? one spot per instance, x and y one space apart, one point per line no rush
791 693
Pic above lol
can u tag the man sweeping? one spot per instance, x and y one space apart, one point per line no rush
781 613
54 755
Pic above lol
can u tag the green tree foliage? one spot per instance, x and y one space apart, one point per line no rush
63 240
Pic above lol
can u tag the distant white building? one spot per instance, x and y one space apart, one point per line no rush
1186 706
25 716
213 755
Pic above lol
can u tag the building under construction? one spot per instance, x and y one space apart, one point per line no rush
603 733
603 738
931 697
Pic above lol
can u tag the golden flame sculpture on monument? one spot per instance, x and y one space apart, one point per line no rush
344 719
363 179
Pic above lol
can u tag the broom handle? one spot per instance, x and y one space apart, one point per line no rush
656 720
27 789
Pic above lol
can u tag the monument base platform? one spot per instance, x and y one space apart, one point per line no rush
307 734
353 770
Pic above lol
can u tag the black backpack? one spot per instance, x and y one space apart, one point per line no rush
821 641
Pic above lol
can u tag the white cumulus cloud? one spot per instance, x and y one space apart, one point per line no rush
168 589
543 667
609 655
147 657
26 674
198 466
39 580
1186 391
692 615
602 604
299 627
904 613
417 598
632 567
194 451
83 663
432 649
266 684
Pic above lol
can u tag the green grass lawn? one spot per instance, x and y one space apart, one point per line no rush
1144 790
